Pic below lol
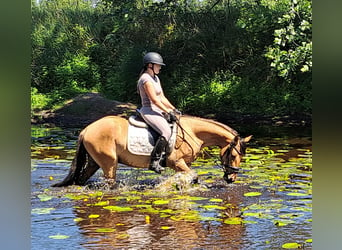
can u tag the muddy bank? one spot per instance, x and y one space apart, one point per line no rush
82 110
86 108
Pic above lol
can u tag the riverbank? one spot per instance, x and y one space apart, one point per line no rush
82 110
86 108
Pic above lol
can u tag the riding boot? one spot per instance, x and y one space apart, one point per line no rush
156 155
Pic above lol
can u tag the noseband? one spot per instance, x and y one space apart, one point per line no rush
228 169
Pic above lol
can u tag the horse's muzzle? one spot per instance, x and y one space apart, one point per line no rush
230 174
230 178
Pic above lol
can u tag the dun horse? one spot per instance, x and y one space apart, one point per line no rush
103 144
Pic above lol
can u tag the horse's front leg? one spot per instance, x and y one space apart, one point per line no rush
181 167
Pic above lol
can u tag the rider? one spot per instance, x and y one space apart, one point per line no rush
155 106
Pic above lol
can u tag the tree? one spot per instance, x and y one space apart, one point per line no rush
291 52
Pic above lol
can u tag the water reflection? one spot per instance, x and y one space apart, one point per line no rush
161 226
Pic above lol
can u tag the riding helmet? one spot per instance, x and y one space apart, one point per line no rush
153 57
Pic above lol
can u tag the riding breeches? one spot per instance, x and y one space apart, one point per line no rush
157 121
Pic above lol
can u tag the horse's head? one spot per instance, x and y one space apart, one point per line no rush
231 156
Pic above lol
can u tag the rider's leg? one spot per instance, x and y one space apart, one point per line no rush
158 123
156 155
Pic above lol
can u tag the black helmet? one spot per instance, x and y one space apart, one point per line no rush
153 57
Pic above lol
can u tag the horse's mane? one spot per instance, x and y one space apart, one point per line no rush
232 131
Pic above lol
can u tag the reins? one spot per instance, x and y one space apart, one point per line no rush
217 161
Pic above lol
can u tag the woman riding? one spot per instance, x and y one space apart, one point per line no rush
155 106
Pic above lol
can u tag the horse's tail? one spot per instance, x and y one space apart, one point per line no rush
77 165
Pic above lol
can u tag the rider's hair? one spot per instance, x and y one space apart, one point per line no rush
143 69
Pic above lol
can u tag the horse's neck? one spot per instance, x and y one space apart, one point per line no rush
211 133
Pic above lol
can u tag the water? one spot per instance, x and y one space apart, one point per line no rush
270 204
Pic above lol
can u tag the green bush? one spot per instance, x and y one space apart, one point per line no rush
241 57
38 100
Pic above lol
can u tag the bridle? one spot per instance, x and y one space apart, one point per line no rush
227 168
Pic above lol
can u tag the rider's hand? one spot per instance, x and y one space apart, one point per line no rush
172 116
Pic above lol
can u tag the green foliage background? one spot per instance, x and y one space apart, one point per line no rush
225 57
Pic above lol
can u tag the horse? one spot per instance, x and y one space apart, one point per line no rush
103 144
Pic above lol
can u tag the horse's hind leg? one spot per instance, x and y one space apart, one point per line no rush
103 152
90 169
108 163
106 160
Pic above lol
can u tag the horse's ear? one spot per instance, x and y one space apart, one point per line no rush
247 139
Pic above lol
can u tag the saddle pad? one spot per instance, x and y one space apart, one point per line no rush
141 141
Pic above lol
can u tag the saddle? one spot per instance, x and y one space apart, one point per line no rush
141 137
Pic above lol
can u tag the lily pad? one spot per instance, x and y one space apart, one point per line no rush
213 207
118 208
44 197
282 222
292 245
252 194
105 230
207 218
233 221
202 172
59 237
252 214
249 222
101 203
169 211
150 210
296 194
146 206
216 200
42 210
93 216
98 193
76 196
122 236
160 202
195 198
291 215
189 216
255 207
